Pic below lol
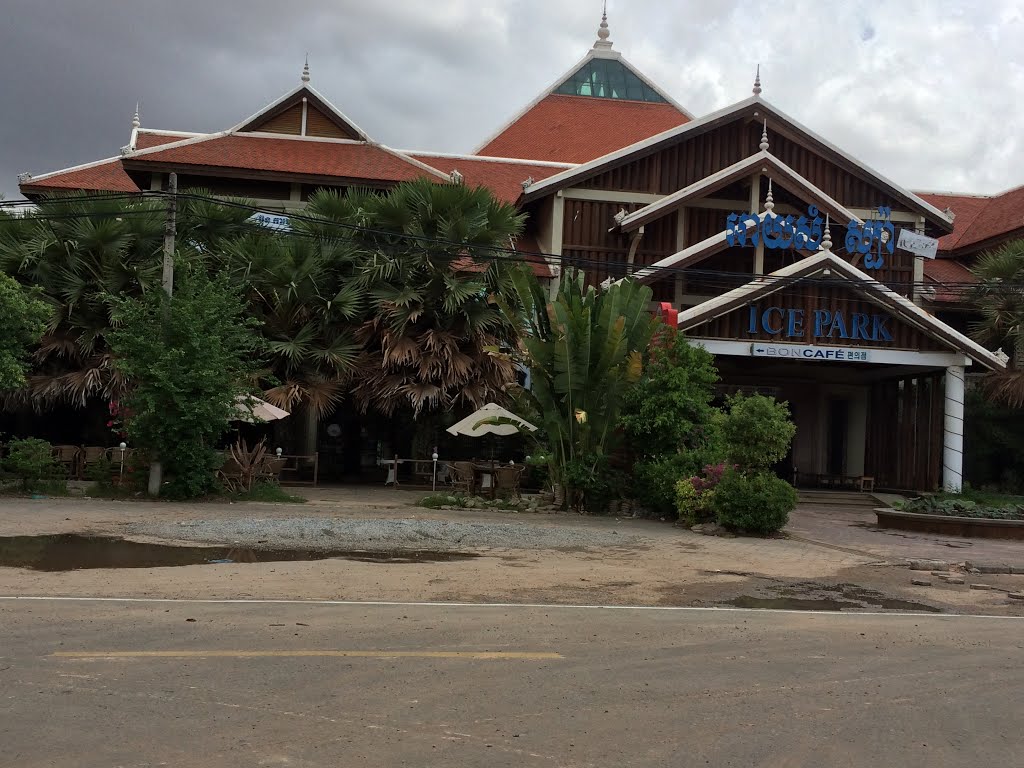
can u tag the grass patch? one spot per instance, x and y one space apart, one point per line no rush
267 492
439 500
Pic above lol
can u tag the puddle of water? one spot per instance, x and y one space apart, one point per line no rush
811 596
69 552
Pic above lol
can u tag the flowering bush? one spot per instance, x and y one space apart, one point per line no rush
694 495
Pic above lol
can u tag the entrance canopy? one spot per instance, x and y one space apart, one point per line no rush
822 307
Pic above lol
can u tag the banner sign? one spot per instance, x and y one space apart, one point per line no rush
802 352
919 245
270 220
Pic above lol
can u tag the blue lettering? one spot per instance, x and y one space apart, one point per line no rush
859 326
878 331
766 320
796 323
822 317
753 320
838 324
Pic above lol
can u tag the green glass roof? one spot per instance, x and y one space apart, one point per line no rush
608 79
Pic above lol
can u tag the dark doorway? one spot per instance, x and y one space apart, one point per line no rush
838 430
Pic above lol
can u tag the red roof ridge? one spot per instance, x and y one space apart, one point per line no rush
31 178
488 158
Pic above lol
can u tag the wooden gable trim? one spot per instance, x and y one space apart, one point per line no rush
760 163
750 110
296 100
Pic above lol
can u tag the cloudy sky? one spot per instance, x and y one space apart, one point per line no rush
925 91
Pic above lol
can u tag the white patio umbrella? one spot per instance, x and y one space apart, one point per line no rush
255 411
471 426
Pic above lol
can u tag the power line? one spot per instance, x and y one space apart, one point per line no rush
478 251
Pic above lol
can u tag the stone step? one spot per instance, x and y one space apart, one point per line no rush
838 498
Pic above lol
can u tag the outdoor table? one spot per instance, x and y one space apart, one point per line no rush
392 465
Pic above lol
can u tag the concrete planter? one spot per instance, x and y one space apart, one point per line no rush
951 526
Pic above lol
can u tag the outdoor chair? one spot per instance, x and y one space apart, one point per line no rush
230 474
68 456
90 454
462 477
506 480
271 469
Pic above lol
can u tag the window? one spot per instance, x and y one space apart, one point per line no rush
608 79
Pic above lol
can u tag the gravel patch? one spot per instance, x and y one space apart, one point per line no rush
382 535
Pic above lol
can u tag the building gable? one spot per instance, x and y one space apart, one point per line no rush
824 301
302 112
682 156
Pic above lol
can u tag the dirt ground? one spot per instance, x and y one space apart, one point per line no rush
657 564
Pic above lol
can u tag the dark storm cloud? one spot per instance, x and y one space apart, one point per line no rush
444 74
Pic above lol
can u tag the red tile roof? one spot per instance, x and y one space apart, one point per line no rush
105 176
289 156
949 278
526 244
576 129
144 139
503 178
980 219
966 209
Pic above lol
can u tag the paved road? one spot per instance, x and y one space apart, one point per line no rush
212 684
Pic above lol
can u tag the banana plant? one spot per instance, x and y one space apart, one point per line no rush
584 348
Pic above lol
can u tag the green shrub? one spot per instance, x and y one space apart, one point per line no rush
591 484
654 481
757 431
690 503
755 503
32 462
694 495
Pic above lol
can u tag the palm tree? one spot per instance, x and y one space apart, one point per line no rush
304 292
433 270
85 251
998 298
81 252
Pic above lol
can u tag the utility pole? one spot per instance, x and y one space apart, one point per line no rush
170 230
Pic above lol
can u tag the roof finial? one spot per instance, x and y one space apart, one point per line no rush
305 70
135 119
602 31
757 81
769 202
826 238
763 146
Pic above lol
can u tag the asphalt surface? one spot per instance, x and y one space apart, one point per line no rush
87 683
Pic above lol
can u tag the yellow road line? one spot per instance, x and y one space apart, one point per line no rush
484 655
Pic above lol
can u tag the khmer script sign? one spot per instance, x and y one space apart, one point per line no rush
919 245
775 231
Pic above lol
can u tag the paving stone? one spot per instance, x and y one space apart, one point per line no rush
1016 595
988 567
940 573
981 586
927 565
921 582
953 579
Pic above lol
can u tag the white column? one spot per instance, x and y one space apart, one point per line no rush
953 430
